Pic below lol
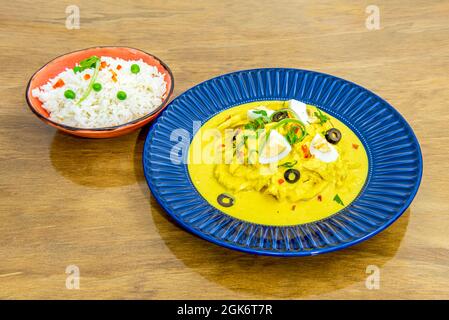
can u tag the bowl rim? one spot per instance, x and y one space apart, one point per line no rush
113 128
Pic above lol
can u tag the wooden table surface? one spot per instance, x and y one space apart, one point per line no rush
70 201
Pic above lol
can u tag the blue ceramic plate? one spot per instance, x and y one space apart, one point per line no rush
394 155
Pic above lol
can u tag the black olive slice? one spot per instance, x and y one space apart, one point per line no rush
225 200
292 175
279 115
333 135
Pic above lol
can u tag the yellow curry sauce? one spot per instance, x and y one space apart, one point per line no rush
259 191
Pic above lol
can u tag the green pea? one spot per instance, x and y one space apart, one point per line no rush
69 94
96 86
135 68
121 95
77 69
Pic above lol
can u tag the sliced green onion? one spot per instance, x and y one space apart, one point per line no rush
288 164
282 123
289 120
92 81
89 63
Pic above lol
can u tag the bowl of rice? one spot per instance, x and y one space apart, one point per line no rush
100 92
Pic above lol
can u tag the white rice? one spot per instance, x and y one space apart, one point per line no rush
144 90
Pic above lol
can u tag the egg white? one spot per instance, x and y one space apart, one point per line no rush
299 109
275 141
329 156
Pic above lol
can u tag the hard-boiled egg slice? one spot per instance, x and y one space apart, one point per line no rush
322 149
255 113
274 149
299 109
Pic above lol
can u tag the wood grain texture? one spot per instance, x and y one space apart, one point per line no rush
65 200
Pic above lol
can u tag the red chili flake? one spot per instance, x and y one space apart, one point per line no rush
281 181
293 207
119 67
355 146
103 64
86 76
114 78
320 198
58 84
306 151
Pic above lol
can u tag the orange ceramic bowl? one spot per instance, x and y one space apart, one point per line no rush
56 66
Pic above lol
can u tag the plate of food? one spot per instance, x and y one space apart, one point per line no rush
100 92
283 162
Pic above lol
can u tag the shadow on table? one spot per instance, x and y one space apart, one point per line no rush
272 276
99 163
276 276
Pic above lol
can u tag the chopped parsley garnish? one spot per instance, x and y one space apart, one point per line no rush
258 123
289 164
338 200
321 116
